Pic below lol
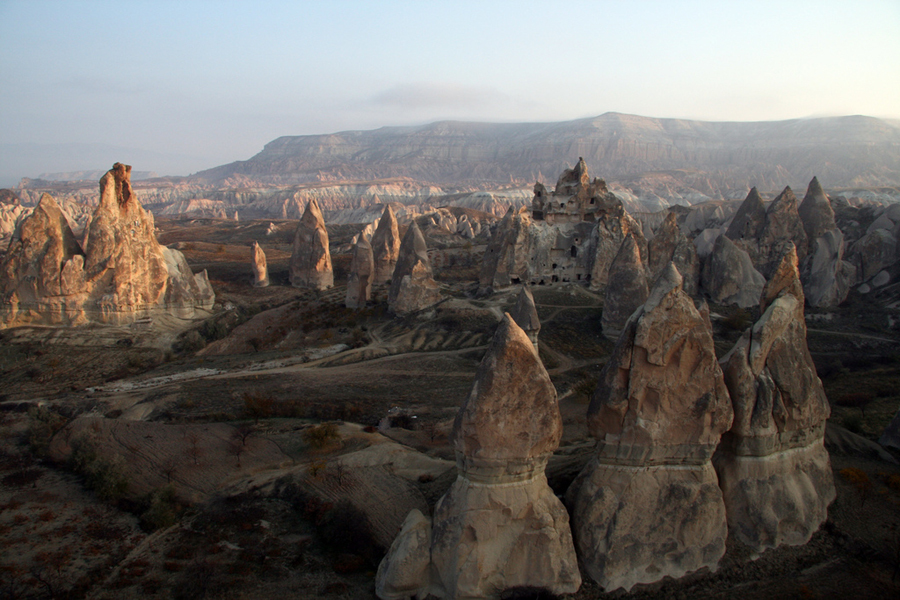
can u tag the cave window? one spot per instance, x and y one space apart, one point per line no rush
554 265
573 252
515 280
554 279
578 276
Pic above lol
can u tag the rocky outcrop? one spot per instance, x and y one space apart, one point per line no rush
772 465
122 274
613 226
827 276
362 270
506 258
627 288
816 212
749 220
258 264
413 287
648 505
385 246
729 277
311 258
669 244
525 315
500 525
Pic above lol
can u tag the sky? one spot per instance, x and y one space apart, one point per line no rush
176 87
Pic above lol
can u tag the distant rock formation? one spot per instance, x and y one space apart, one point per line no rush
362 270
500 525
826 276
122 273
506 258
772 465
413 287
729 276
311 258
525 315
385 246
648 504
669 244
258 263
764 233
613 225
627 288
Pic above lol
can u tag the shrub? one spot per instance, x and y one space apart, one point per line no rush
106 476
738 320
859 480
258 405
856 400
163 509
42 425
320 436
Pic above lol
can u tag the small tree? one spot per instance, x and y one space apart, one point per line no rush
258 405
194 451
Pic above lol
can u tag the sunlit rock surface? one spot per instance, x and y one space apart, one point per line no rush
310 265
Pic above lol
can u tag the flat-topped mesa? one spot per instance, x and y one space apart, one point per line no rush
669 244
385 246
648 504
258 264
362 269
311 258
500 524
772 465
123 273
525 315
728 275
627 288
413 287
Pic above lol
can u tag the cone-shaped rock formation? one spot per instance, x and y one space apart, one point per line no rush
412 286
362 270
260 270
385 246
500 525
525 315
671 245
729 276
627 288
773 467
648 504
311 257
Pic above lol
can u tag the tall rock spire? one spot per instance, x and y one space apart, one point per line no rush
385 246
311 258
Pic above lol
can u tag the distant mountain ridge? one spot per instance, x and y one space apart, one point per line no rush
709 157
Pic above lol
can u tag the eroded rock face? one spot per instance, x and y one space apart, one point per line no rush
499 525
311 257
671 245
385 246
362 270
772 465
122 274
816 212
627 288
613 226
413 287
506 258
525 315
258 264
648 504
826 276
729 276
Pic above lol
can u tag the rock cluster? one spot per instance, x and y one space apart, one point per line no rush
772 465
385 246
500 525
827 277
525 315
648 504
121 272
764 233
258 264
412 286
310 265
669 244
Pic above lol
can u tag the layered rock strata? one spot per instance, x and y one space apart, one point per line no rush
385 246
627 288
258 264
648 504
121 274
413 287
362 271
310 265
772 465
500 525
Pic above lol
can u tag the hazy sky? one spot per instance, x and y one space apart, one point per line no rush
192 84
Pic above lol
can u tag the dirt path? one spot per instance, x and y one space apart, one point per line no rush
851 334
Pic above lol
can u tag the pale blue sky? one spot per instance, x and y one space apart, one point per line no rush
194 84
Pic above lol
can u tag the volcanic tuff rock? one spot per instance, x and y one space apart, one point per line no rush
499 525
613 225
648 504
122 273
816 212
260 270
729 277
669 244
385 246
412 286
772 465
627 289
764 233
525 315
506 256
311 257
362 269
